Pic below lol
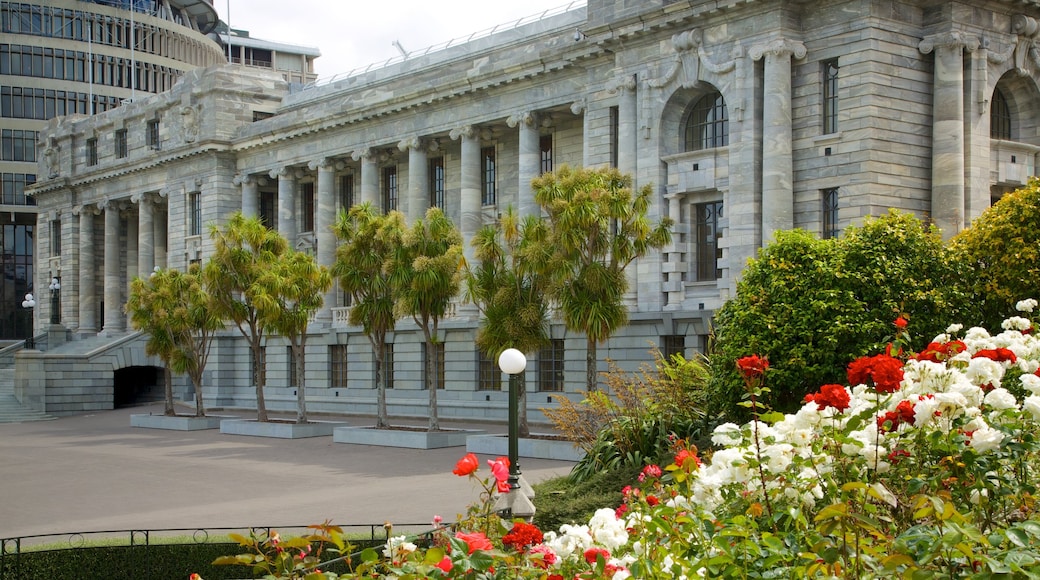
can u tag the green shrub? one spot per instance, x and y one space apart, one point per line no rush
560 501
812 306
1002 249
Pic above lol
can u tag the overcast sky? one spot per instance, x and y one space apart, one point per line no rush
353 33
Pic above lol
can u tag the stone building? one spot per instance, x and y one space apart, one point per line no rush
746 116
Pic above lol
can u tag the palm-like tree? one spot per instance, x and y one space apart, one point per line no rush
176 310
285 296
369 241
508 284
243 251
425 275
599 227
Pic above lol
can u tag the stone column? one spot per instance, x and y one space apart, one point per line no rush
777 159
114 319
133 255
625 87
87 273
145 234
469 191
326 207
369 176
580 108
286 177
948 160
162 222
250 194
530 160
417 198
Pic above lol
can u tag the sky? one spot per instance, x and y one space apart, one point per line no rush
357 33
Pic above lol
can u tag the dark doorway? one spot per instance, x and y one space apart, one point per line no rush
138 386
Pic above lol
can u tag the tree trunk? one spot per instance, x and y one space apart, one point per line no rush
380 353
431 384
196 381
590 365
168 387
258 370
301 401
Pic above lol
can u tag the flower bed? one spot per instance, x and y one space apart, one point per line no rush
923 466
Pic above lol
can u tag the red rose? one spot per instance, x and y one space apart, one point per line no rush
883 372
593 554
522 535
445 564
941 351
467 465
900 323
830 396
997 354
752 366
475 541
687 460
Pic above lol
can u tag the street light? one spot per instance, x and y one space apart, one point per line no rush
513 362
29 304
55 288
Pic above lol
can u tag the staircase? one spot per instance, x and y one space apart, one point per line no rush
11 411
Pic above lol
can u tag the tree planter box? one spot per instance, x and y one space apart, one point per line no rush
544 447
279 429
413 438
178 422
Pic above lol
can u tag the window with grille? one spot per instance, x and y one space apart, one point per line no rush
121 150
152 134
338 366
436 174
550 366
829 223
545 146
269 209
195 213
390 188
346 192
489 376
294 379
55 237
673 344
307 206
92 155
438 364
999 117
388 365
706 240
488 186
707 123
615 129
830 96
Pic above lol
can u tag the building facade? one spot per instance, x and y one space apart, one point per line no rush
746 117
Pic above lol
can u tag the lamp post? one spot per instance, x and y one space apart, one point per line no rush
55 288
29 304
513 362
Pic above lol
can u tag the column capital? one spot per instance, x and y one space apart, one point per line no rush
244 179
146 197
778 47
621 83
954 39
366 153
526 118
578 107
86 209
327 163
466 131
411 143
285 172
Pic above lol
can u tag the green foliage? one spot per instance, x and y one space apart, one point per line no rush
599 226
368 240
812 306
561 501
1002 250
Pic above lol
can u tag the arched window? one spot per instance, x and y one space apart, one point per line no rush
999 117
707 124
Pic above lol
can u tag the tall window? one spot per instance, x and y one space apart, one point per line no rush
194 214
615 129
438 364
14 188
269 209
346 192
706 238
489 376
17 263
830 96
437 182
707 124
488 189
545 146
390 188
829 222
307 206
294 378
999 117
55 238
673 344
388 365
92 158
152 134
550 366
121 151
338 366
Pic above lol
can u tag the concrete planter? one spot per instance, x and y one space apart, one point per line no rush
178 422
534 447
279 429
413 438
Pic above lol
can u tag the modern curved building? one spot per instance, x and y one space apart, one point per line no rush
746 117
64 57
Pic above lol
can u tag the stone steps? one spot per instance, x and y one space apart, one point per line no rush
11 411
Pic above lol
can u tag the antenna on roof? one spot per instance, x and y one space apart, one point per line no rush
397 45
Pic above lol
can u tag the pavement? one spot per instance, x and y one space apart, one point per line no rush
94 472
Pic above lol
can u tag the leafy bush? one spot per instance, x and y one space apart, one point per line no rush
1002 250
811 306
560 501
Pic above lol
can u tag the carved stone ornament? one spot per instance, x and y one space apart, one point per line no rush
189 123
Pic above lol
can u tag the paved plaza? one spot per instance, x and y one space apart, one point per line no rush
94 472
